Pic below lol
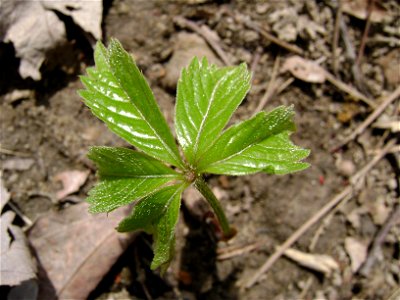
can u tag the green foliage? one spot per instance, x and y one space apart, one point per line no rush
155 175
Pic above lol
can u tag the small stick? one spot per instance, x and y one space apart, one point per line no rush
379 239
336 38
375 114
271 86
284 85
348 89
256 60
12 152
351 54
365 33
252 25
317 216
229 253
204 32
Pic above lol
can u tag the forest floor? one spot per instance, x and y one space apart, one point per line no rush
350 251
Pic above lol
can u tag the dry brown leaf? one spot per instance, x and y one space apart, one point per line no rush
86 14
71 181
17 264
33 30
318 262
357 252
305 70
76 249
359 9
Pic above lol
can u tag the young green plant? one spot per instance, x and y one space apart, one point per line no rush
157 172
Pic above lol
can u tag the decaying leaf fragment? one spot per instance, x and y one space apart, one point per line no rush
357 252
318 262
17 264
34 28
304 69
75 250
71 181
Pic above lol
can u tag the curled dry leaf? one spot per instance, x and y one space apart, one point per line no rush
17 264
318 262
357 252
76 249
86 14
33 30
305 70
71 181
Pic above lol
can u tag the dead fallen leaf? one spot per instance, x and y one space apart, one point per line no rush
305 70
76 249
33 30
71 181
17 264
359 9
86 14
357 252
18 164
318 262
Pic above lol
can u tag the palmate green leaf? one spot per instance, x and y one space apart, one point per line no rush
258 144
126 176
158 214
118 94
207 96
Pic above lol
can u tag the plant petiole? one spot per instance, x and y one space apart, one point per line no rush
204 189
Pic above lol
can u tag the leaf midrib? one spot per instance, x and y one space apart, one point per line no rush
201 128
166 146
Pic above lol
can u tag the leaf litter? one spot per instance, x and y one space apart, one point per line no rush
17 263
75 250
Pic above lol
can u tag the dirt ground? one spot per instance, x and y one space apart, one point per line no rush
54 128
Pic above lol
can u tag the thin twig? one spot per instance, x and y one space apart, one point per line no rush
365 33
204 32
378 241
336 38
284 85
238 251
348 89
317 216
371 118
273 39
256 60
12 152
271 86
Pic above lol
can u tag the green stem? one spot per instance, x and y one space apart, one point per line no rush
203 188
